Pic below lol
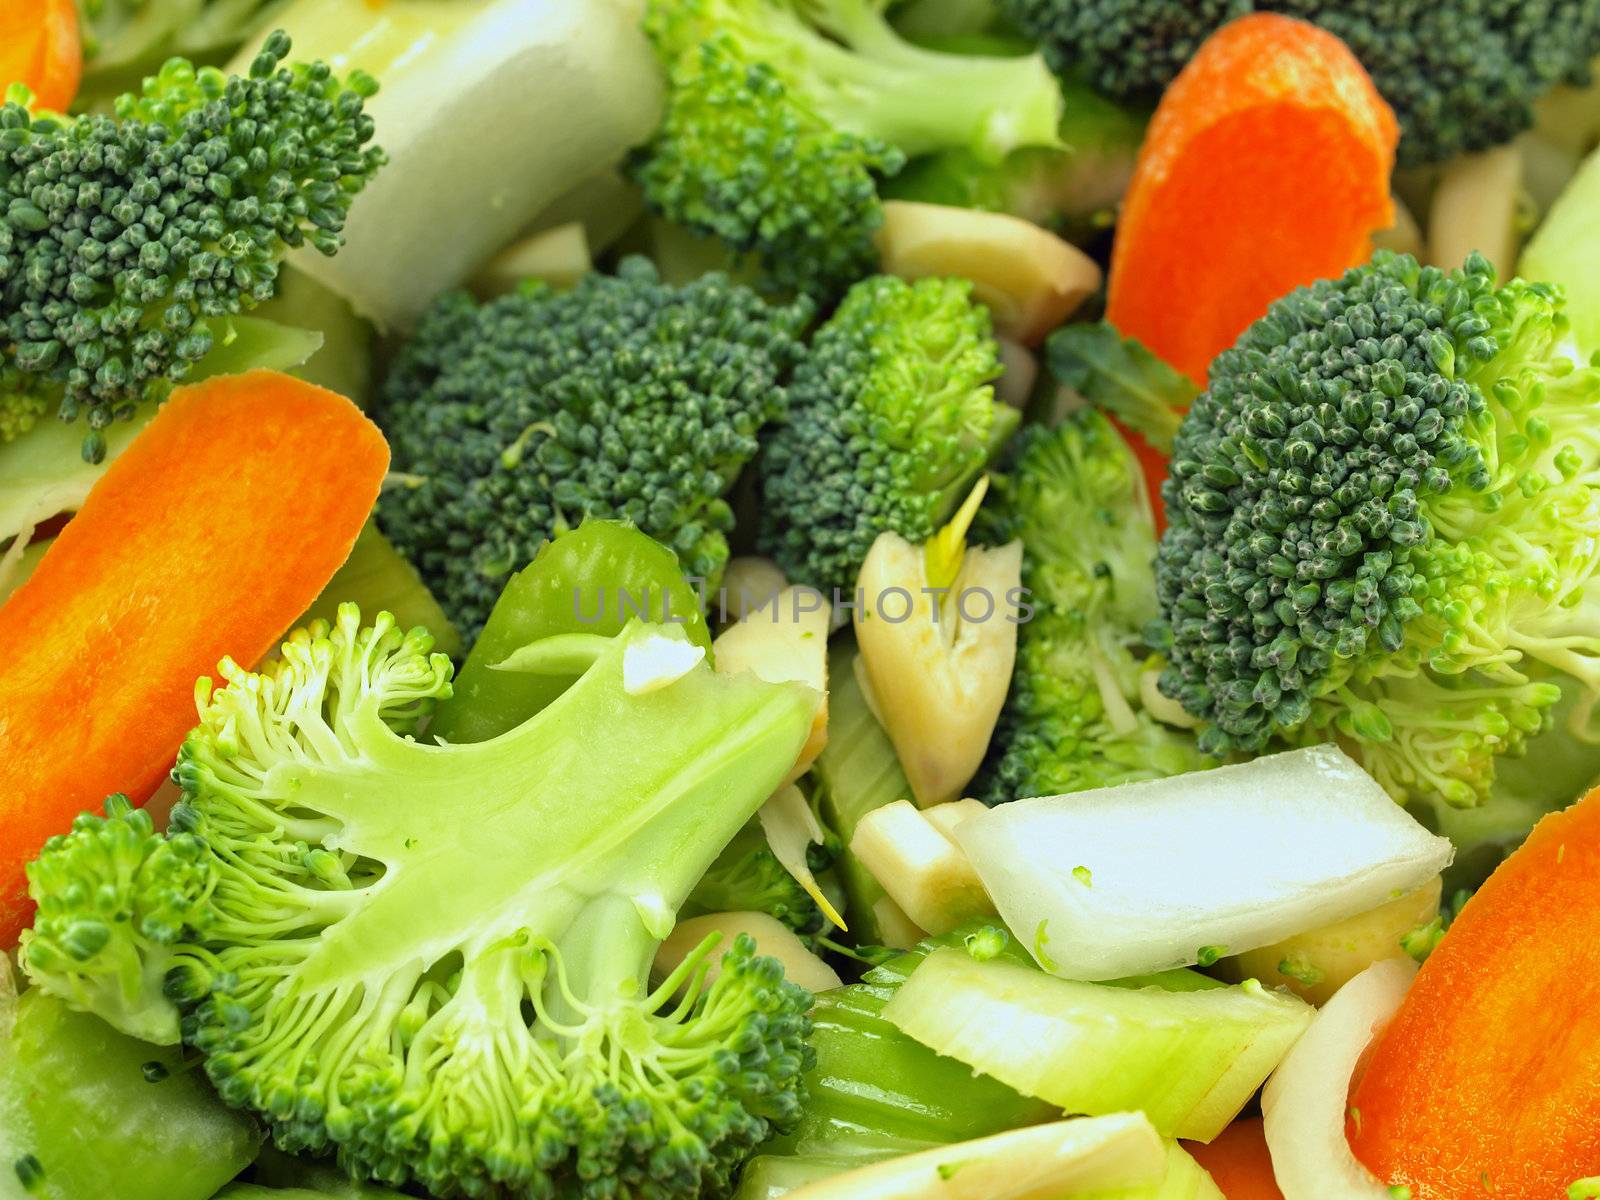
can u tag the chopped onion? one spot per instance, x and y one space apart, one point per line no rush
1305 1100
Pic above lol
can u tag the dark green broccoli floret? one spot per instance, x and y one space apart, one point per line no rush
125 40
125 241
625 397
782 114
891 418
114 898
1461 75
1075 717
432 961
1383 527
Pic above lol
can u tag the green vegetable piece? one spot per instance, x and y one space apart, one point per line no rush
1185 1179
590 580
377 578
1566 250
78 1118
1188 1059
1121 376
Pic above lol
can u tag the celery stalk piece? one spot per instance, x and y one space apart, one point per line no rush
489 110
88 1112
1129 880
1187 1060
1185 1179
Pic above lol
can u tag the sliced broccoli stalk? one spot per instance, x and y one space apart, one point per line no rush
386 911
1076 717
87 1111
780 118
1382 527
891 418
163 224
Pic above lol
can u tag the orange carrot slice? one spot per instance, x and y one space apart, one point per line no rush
211 533
41 49
1239 1162
1265 167
1484 1082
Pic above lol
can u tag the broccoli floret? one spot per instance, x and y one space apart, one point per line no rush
125 40
1383 527
891 417
1461 75
782 115
514 420
126 242
433 960
114 899
1075 717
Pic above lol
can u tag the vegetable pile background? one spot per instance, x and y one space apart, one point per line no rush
835 599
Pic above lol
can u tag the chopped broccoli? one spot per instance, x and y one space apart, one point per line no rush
891 417
126 242
1461 75
783 114
1075 717
432 961
513 420
125 40
1383 527
114 898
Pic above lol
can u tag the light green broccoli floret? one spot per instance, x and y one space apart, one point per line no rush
1076 717
115 898
1383 527
783 114
432 961
891 417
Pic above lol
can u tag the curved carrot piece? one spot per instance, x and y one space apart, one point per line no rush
1484 1084
40 47
207 537
1239 1162
1265 167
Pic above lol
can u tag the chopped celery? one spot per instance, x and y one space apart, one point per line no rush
1566 250
343 363
1188 1060
856 773
378 578
592 580
88 1112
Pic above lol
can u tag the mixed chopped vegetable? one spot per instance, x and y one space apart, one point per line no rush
832 599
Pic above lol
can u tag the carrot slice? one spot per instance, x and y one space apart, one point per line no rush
1239 1162
1484 1082
211 533
1265 167
40 48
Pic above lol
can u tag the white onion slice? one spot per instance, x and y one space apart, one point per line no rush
1305 1100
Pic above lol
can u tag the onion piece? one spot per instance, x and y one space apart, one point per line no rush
1305 1101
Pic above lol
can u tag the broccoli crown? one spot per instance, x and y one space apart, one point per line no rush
1074 718
123 239
782 114
748 877
1383 526
125 40
623 398
1461 75
433 960
114 898
891 417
